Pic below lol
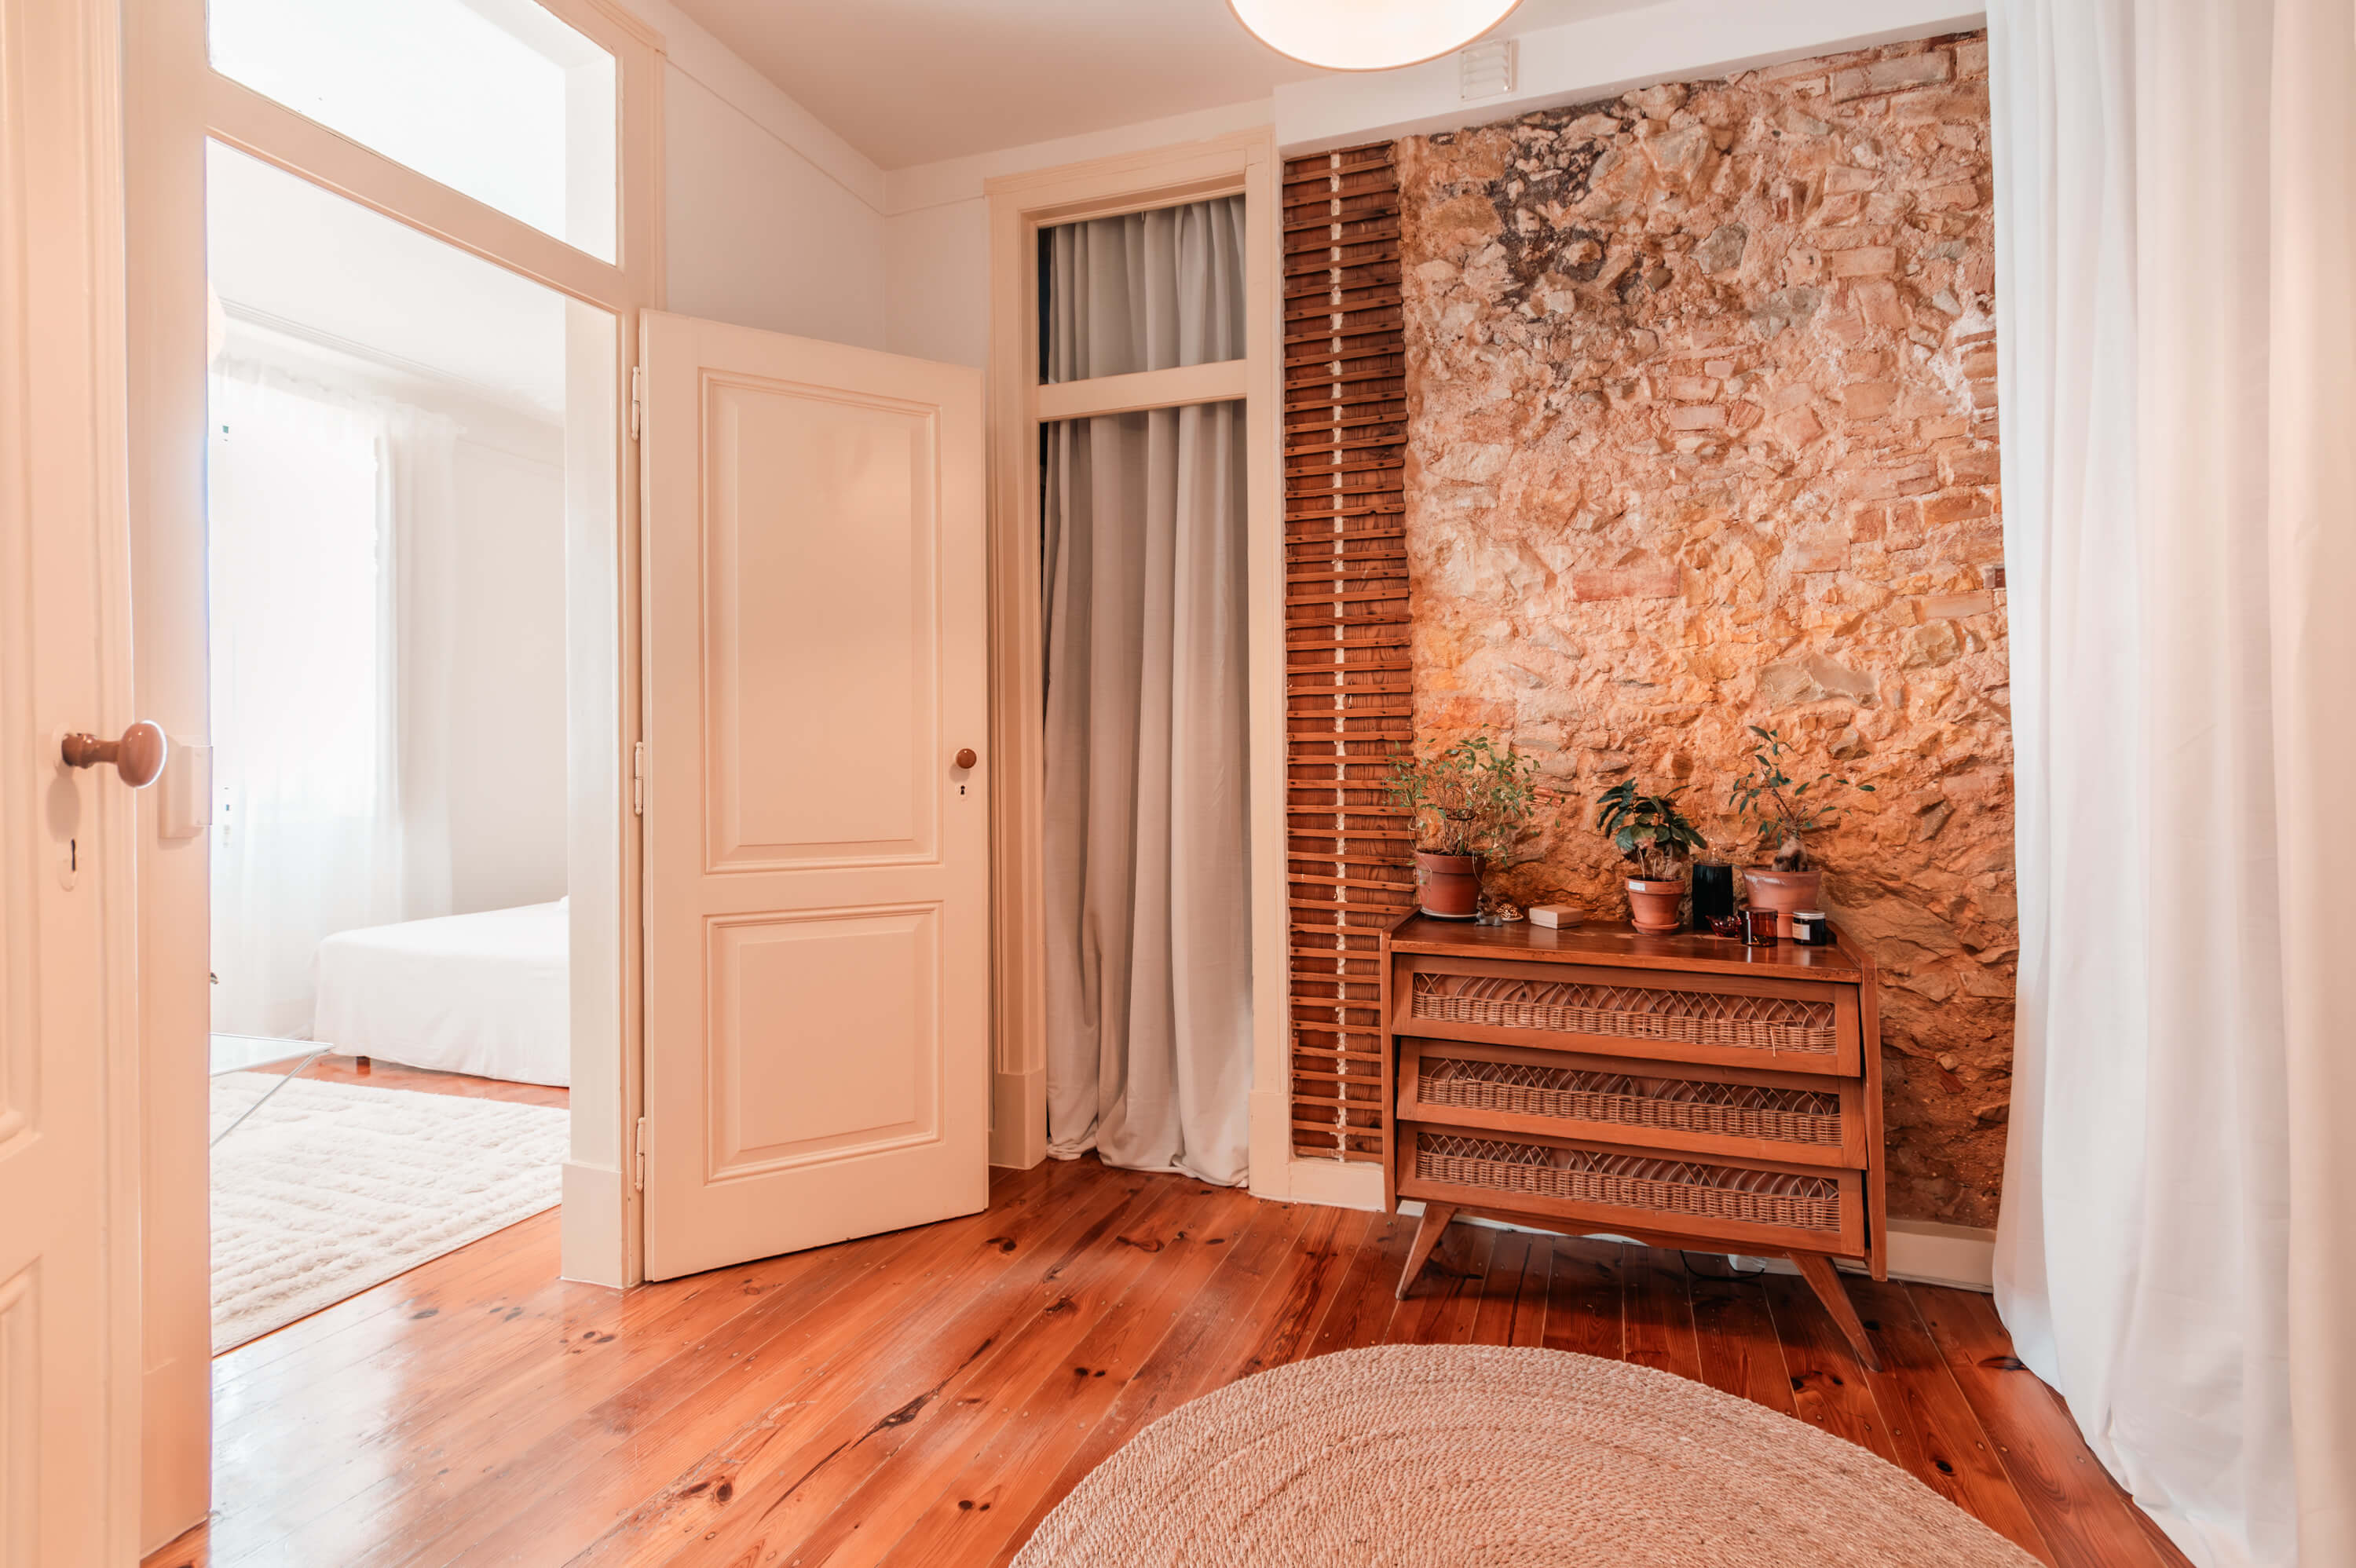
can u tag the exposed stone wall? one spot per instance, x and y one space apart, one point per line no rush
1702 436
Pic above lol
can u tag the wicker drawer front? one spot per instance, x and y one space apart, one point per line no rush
1662 1192
1806 1120
1785 1025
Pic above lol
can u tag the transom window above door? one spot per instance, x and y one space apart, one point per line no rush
1133 315
497 99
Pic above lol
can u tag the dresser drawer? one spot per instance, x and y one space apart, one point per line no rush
1638 1192
1673 1107
1729 1021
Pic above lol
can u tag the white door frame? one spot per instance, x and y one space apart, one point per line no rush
175 102
1020 205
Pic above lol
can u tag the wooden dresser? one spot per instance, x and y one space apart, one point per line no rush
1682 1091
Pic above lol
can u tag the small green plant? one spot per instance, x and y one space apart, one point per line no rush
1769 799
1647 829
1469 798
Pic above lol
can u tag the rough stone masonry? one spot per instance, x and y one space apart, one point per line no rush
1702 436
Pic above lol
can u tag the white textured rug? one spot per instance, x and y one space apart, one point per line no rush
332 1188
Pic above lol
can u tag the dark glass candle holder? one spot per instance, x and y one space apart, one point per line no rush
1713 894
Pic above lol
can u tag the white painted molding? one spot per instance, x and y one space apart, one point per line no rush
1932 1253
1602 57
1219 381
592 1246
1923 1252
1019 204
1336 1183
962 180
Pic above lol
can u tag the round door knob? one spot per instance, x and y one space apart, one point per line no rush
138 757
966 758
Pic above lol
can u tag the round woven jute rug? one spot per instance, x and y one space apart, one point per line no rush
1462 1455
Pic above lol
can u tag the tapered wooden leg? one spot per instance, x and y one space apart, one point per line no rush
1824 1280
1426 1236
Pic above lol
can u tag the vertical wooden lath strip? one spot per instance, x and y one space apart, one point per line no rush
1349 697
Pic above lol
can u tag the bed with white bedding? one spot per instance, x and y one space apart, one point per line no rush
485 994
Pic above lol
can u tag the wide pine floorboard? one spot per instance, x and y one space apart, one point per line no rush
925 1397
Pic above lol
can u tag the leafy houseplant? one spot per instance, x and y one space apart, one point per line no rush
1779 807
1656 838
1471 802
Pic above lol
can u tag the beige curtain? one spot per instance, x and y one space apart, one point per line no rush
2311 565
1143 582
2176 201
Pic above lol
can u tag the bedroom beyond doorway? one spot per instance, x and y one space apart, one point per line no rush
387 492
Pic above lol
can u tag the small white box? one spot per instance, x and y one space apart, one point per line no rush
1556 915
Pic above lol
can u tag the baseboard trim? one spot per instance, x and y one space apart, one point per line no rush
1018 1118
1929 1252
1336 1183
589 1226
1921 1252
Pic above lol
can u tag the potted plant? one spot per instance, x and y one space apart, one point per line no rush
1656 837
1472 802
1769 798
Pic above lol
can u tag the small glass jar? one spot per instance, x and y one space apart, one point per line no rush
1812 928
1758 927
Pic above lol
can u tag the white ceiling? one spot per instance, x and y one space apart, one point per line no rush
913 81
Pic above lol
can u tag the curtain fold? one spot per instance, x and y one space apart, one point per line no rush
1144 593
311 496
2175 180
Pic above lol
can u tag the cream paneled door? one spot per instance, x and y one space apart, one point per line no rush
817 861
69 1338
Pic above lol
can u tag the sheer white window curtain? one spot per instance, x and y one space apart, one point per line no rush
2176 205
328 820
1149 978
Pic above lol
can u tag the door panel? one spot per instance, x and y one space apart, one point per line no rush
816 864
823 551
868 976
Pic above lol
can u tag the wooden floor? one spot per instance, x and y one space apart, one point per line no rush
392 1075
925 1397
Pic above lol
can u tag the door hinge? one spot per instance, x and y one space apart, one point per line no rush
637 383
638 1159
637 778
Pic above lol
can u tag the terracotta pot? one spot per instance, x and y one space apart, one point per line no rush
1653 907
1783 891
1449 886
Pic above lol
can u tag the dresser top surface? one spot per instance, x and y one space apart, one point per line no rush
1618 945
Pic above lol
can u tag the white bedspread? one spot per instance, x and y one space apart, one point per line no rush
484 993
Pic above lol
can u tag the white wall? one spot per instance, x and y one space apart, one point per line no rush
937 227
506 717
489 593
937 275
769 219
757 234
936 236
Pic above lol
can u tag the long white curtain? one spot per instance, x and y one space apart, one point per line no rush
312 495
1149 977
2176 202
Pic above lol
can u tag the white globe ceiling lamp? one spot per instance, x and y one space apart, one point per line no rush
1368 35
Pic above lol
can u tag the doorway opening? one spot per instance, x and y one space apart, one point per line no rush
389 428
